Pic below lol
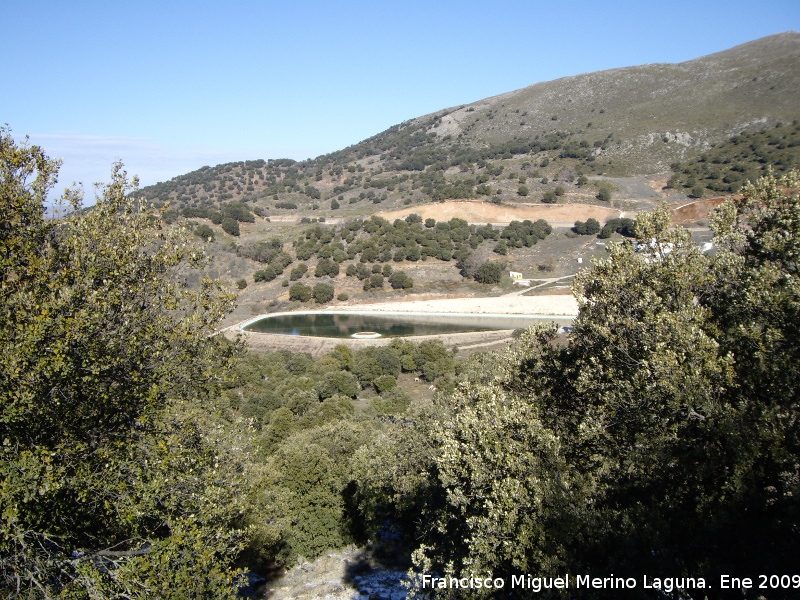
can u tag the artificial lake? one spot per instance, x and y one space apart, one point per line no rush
332 324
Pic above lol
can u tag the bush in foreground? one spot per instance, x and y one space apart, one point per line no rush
113 483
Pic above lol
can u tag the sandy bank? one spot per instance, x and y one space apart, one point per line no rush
554 305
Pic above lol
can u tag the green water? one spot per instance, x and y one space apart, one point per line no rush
339 325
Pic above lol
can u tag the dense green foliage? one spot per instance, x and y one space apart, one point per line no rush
623 226
308 430
300 292
400 280
490 273
268 274
376 241
119 476
589 227
729 165
267 251
322 293
204 232
525 233
230 226
115 479
662 439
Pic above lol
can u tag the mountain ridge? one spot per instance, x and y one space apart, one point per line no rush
622 122
598 88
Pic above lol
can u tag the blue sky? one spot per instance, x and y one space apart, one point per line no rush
168 87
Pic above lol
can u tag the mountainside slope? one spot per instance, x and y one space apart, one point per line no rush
555 141
691 104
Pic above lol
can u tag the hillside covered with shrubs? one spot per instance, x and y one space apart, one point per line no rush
659 438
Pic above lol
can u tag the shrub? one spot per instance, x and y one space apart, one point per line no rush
195 212
322 293
230 226
374 282
204 232
362 272
433 359
413 253
392 402
326 268
490 273
623 226
268 274
590 227
298 271
102 450
241 283
399 280
371 363
604 193
300 292
384 383
339 382
263 252
238 211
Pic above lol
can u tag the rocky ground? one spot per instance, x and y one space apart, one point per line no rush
346 574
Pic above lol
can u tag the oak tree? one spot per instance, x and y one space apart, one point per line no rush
114 480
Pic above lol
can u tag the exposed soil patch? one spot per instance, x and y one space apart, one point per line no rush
474 211
658 182
695 211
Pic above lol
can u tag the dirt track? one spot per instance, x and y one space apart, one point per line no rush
510 304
